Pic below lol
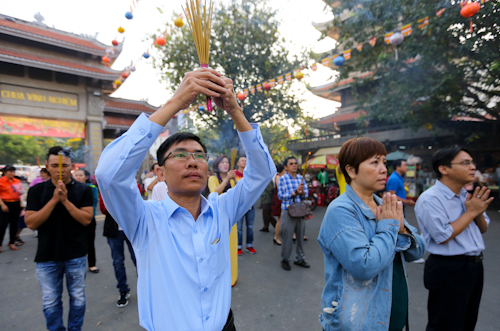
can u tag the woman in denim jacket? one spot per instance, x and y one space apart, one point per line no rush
366 242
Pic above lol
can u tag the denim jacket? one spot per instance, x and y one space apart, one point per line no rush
359 254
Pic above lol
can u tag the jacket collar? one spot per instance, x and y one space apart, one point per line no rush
362 206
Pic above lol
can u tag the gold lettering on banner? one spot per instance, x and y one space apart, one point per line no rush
36 97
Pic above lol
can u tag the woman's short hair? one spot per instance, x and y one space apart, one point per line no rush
217 161
356 150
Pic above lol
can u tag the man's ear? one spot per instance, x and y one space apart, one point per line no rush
161 174
443 170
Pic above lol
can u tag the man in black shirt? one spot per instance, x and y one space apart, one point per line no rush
60 209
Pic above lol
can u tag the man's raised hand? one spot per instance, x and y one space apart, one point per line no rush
203 81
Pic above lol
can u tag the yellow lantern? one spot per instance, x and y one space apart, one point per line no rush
118 82
121 30
178 22
299 75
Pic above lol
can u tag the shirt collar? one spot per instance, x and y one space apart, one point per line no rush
172 206
357 200
398 175
447 192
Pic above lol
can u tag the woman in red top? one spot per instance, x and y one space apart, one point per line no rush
10 201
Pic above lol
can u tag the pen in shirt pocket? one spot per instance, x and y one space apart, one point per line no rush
215 241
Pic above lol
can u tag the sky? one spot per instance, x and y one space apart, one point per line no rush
105 16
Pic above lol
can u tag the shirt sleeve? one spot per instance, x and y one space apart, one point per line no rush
33 201
88 198
432 215
115 174
259 170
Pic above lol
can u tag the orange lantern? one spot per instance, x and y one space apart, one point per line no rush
105 59
469 10
115 42
266 86
160 41
125 74
242 96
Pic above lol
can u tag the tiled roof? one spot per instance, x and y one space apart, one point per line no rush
113 121
342 117
44 62
51 36
135 106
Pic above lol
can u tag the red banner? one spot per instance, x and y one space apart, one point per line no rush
40 127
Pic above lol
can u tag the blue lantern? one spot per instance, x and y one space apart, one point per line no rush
146 55
129 15
339 61
201 108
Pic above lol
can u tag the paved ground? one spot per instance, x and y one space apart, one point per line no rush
265 297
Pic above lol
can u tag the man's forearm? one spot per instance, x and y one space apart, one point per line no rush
460 225
33 219
481 223
81 216
164 114
240 121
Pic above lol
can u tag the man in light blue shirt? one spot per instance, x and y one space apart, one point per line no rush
182 242
452 222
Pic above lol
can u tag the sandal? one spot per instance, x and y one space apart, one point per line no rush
19 242
13 247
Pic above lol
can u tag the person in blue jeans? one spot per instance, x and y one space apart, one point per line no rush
60 209
365 242
116 241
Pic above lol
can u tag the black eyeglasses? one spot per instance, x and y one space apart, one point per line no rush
184 156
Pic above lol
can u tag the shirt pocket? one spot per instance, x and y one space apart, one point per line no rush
357 284
217 259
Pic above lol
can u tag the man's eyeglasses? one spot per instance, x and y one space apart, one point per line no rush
466 163
184 156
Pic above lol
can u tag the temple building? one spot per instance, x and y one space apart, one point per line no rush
54 83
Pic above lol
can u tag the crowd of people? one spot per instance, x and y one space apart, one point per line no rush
179 238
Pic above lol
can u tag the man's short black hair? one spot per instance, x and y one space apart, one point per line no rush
285 163
398 163
153 166
444 156
54 151
175 139
8 167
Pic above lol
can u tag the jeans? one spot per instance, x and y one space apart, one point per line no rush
250 217
118 255
50 275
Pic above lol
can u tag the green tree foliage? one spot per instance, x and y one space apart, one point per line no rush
25 149
246 47
443 71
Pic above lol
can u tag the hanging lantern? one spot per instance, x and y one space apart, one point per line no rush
266 86
129 16
118 82
115 42
201 108
242 96
105 59
299 75
160 41
146 55
186 111
131 68
110 51
396 38
178 22
339 61
121 30
125 74
470 10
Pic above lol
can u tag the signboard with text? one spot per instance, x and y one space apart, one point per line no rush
32 97
41 127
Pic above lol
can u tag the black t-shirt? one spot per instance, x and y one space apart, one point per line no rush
60 237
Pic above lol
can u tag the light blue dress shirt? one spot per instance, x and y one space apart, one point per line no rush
436 209
184 273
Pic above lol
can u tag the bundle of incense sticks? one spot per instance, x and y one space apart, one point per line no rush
60 166
200 27
234 151
305 164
